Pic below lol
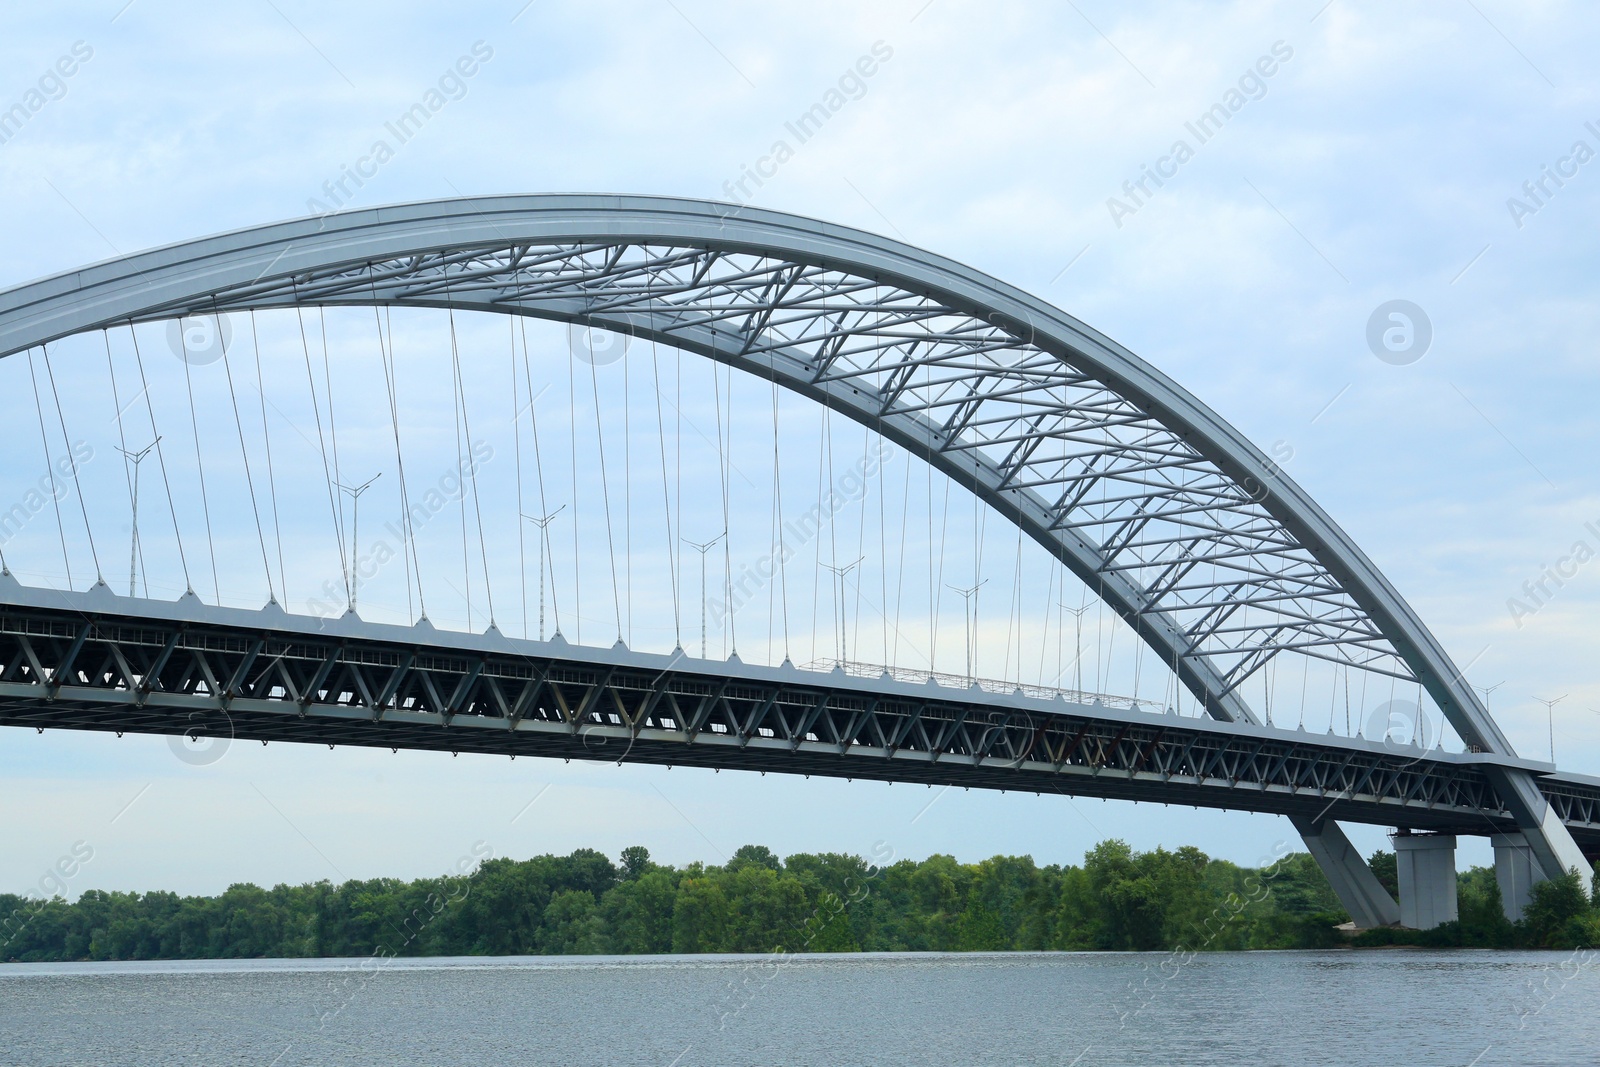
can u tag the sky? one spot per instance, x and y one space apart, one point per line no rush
1441 155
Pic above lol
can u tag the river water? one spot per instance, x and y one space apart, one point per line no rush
1340 1007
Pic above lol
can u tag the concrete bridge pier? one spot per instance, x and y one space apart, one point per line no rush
1516 870
1426 864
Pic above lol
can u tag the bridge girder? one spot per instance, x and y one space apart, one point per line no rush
96 661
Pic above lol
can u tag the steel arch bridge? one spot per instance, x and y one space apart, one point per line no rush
1198 541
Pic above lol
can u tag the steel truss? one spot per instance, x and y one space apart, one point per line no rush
259 676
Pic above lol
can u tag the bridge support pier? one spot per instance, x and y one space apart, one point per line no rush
1426 864
1358 889
1554 850
1516 871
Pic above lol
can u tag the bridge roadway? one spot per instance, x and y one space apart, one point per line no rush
98 661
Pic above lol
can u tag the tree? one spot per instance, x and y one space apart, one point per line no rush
1383 865
1553 916
572 925
635 861
755 855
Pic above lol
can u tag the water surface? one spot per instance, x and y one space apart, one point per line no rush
1341 1007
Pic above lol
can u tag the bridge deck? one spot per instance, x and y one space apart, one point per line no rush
96 661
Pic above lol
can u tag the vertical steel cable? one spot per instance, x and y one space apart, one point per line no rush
392 380
538 466
161 458
50 468
322 450
605 487
666 502
205 498
472 471
272 474
333 435
66 442
516 440
249 479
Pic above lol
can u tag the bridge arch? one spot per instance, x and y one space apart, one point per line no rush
1207 549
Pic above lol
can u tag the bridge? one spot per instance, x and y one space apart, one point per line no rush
1071 471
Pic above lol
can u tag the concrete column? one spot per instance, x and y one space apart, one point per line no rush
1516 869
1358 889
1427 869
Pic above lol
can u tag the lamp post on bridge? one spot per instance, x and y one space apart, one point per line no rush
703 549
969 621
543 522
841 631
133 552
1077 645
354 577
1550 711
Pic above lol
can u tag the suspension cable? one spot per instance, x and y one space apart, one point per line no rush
605 482
408 551
544 507
333 435
572 444
666 500
322 450
516 436
472 469
161 459
627 485
116 398
266 437
249 479
782 533
205 498
722 479
72 462
50 468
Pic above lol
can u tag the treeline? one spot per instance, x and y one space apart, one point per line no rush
584 903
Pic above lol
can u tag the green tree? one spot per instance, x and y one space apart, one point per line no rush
1553 917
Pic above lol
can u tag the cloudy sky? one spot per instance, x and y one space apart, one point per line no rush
1441 155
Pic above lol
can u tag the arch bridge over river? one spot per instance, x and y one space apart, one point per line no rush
1115 486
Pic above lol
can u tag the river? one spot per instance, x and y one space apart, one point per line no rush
1337 1007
